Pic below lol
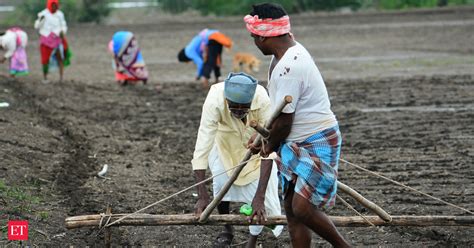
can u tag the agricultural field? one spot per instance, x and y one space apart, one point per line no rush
401 85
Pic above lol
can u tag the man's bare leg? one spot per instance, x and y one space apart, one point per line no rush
252 242
305 213
224 208
300 235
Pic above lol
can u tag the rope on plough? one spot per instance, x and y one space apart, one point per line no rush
405 186
342 160
349 206
179 192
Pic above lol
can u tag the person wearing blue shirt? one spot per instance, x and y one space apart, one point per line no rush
205 50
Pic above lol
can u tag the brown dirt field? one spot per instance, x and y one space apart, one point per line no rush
401 84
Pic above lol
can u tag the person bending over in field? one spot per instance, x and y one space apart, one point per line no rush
205 50
222 144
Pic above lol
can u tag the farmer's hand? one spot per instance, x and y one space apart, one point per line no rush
253 148
2 60
201 204
61 34
266 150
258 206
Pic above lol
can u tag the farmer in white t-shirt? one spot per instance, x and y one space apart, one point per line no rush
306 133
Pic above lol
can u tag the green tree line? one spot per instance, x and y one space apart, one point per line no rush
97 10
240 7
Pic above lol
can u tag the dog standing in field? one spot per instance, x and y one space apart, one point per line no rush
247 62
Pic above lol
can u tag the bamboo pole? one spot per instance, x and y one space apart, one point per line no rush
364 202
344 188
217 199
108 232
191 219
261 130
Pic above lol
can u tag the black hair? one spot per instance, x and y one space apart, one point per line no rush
268 10
2 33
182 56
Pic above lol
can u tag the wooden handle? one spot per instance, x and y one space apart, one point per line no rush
364 202
261 130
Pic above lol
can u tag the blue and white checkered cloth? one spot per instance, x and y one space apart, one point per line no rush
315 163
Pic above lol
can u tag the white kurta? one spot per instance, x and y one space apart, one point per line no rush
246 193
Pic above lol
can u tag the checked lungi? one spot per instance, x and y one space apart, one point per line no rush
315 163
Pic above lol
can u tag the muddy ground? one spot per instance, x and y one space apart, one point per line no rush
401 84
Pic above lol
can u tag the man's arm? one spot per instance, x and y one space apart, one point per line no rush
203 196
258 202
281 128
205 141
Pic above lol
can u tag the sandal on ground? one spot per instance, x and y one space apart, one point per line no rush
224 239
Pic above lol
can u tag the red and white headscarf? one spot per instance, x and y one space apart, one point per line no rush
267 27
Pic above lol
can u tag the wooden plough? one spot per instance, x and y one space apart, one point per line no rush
108 220
240 220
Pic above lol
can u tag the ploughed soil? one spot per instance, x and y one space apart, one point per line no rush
401 85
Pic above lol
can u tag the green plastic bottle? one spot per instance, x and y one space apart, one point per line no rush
246 210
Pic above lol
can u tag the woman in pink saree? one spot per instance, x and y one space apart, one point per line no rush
14 41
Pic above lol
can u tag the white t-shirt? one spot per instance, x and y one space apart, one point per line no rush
51 22
297 75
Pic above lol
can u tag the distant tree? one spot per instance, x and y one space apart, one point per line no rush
175 6
442 3
318 5
93 11
239 7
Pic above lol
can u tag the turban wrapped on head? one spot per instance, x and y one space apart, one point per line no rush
240 88
267 27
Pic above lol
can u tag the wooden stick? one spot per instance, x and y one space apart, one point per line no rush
191 219
342 187
107 232
364 202
217 199
261 130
